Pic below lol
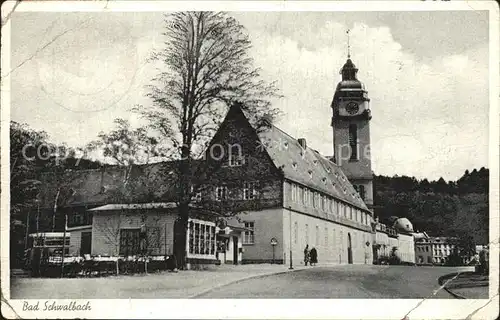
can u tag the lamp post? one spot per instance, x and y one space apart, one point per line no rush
290 240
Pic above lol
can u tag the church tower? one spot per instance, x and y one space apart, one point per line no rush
351 131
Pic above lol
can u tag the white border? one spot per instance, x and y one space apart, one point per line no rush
251 309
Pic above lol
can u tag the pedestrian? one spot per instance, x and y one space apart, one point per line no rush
306 254
314 256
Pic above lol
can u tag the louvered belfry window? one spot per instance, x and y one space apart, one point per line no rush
353 141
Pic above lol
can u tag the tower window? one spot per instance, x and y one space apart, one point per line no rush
353 141
362 192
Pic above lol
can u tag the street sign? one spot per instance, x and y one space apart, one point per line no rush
274 241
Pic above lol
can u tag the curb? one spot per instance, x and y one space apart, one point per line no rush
242 279
443 279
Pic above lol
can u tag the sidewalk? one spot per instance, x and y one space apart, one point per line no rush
467 285
183 284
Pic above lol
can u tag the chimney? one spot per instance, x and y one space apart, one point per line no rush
302 143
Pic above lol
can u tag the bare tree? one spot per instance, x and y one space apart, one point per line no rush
206 69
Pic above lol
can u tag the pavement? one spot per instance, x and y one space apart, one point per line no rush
466 285
247 281
182 284
343 282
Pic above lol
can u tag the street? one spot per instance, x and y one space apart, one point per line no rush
347 281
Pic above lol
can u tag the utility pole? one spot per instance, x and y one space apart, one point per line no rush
64 243
55 209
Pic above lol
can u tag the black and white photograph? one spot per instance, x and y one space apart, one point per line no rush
250 159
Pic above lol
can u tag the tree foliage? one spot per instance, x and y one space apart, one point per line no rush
455 208
205 69
126 146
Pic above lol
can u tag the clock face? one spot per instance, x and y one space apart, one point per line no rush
352 108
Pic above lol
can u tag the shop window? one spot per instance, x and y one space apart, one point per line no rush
201 238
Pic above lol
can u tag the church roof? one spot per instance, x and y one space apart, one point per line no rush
308 167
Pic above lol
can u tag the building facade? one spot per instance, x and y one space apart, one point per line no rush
282 189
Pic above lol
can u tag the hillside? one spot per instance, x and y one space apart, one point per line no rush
453 208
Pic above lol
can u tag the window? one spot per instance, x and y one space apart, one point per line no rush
195 196
236 161
353 141
221 193
130 240
249 235
326 237
350 213
201 238
294 192
307 234
323 203
249 190
304 195
317 236
315 200
295 232
426 249
337 204
362 192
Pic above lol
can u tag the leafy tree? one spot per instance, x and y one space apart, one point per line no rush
207 69
126 146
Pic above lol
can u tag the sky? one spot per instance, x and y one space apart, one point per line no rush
426 74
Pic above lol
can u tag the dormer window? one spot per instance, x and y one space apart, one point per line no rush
315 162
324 180
310 173
328 170
285 144
294 165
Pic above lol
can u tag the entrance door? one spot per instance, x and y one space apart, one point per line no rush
349 249
86 243
235 250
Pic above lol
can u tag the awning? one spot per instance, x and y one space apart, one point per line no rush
234 230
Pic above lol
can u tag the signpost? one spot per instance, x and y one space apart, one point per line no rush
274 242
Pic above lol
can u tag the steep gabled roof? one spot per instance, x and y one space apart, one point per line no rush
307 166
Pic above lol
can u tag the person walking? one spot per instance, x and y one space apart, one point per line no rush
306 255
314 256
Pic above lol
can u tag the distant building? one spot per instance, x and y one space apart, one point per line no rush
398 238
423 249
437 250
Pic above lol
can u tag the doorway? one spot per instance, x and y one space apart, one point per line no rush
86 243
349 249
235 250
